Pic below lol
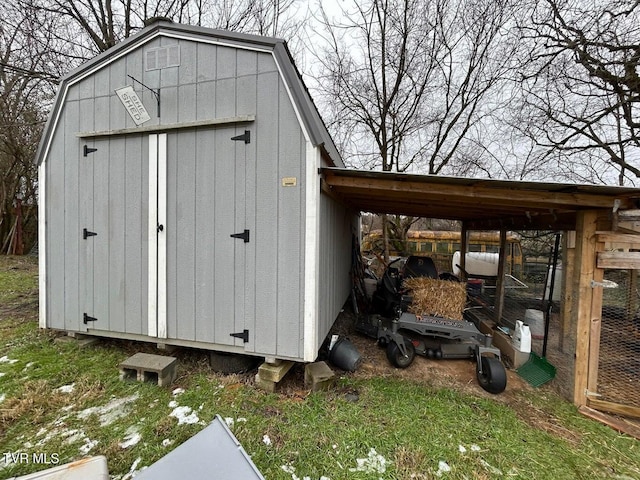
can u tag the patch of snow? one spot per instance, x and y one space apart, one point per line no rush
229 421
132 471
443 467
2 374
72 436
184 415
266 440
475 448
241 420
177 392
68 407
166 442
88 445
491 468
288 469
2 397
6 359
28 365
173 404
112 411
374 463
132 437
461 449
67 388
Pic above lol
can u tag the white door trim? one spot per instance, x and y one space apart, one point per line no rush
152 236
162 235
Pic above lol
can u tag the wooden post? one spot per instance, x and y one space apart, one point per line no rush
567 338
502 261
632 295
583 275
596 324
464 248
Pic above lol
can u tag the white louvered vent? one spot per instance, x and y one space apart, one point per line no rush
162 57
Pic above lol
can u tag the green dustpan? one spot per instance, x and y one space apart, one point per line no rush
537 370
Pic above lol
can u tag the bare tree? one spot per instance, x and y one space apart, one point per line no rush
41 40
26 84
581 88
407 82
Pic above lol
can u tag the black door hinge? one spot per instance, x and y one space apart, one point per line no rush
86 234
245 137
86 319
244 335
244 235
87 150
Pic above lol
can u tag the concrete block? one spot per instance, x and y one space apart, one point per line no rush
145 367
318 376
81 341
269 375
165 347
274 373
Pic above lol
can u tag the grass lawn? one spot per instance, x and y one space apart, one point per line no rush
67 402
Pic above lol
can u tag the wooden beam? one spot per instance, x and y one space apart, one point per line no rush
620 260
542 199
583 275
567 335
596 324
616 423
629 215
617 237
464 248
625 410
502 262
170 126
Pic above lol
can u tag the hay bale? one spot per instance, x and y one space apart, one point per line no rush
438 298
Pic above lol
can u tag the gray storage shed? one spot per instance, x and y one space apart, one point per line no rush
181 199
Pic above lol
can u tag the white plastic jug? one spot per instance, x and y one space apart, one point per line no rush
522 337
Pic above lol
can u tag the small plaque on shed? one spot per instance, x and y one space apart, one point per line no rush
289 181
133 105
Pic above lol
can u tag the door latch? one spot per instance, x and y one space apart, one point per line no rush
244 236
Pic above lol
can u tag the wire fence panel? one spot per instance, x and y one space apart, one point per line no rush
619 362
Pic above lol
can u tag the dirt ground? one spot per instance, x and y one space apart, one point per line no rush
459 375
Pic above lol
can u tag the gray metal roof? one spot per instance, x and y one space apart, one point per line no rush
312 120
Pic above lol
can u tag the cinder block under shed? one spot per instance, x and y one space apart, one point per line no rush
269 374
146 367
319 376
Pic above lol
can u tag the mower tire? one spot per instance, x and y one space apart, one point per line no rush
395 356
493 378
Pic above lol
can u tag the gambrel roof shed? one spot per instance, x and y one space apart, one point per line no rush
180 198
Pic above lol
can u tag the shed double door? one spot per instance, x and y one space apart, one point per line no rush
174 219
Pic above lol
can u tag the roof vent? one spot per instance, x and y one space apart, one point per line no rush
152 20
162 57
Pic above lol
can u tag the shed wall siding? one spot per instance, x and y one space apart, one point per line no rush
211 82
336 227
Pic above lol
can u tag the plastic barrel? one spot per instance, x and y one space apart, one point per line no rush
345 355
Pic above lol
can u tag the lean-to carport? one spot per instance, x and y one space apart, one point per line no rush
601 222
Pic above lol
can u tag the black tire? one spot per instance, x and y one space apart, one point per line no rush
395 356
494 376
229 363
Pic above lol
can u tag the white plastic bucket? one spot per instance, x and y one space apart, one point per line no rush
535 319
